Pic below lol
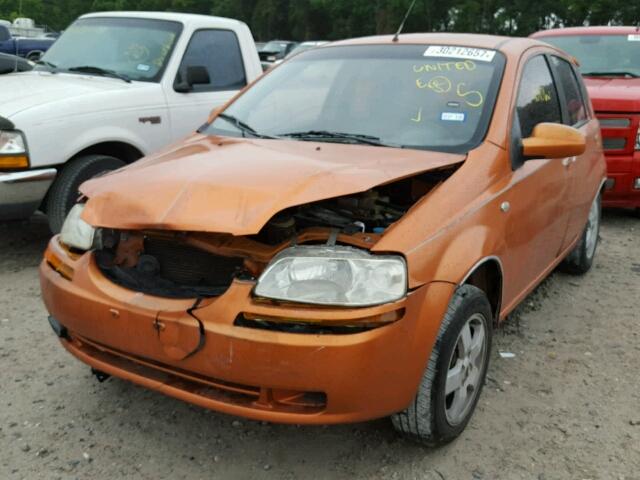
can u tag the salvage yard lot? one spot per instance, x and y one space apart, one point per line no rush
567 406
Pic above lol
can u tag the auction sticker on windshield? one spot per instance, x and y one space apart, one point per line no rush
468 53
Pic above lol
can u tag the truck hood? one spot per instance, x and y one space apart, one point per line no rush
614 94
225 185
25 90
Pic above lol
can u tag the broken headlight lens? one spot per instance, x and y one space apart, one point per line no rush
77 233
339 275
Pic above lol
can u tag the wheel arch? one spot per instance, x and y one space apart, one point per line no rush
487 274
125 151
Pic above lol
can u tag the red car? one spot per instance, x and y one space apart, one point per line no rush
609 60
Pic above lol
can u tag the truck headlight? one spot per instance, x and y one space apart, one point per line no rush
335 275
77 233
13 150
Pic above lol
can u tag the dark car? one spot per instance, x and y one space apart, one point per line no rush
13 63
276 50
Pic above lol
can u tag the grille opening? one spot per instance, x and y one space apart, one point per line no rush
614 143
168 268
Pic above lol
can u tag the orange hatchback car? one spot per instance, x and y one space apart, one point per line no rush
337 243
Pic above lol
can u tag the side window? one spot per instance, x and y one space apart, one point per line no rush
576 109
4 34
537 97
219 52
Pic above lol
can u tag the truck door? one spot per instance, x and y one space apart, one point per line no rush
217 52
6 42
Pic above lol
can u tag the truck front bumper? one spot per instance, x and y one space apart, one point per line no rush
22 192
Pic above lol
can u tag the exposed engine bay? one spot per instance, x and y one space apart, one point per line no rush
192 264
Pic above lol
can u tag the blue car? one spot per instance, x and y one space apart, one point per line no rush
30 48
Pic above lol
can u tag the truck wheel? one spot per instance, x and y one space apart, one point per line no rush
64 192
579 261
452 382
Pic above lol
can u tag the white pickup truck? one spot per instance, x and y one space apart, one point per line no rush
113 88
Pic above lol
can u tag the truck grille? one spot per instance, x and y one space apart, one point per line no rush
618 132
168 268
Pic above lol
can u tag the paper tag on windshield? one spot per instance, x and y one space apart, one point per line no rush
633 38
466 53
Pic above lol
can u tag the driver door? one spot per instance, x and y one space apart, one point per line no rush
536 203
218 51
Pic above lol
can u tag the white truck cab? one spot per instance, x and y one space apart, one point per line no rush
113 88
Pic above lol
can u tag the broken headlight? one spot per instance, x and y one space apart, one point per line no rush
337 275
77 233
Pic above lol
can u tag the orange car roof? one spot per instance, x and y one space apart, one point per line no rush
507 45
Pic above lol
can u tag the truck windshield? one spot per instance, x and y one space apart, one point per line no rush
134 48
390 95
602 55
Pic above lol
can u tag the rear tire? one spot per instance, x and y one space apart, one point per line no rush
64 192
458 364
580 260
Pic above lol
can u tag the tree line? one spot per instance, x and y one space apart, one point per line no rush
336 19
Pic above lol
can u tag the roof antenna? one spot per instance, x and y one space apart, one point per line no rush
395 37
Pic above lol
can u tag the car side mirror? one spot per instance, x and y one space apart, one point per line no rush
553 140
193 75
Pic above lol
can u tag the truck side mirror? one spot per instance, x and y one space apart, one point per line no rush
193 75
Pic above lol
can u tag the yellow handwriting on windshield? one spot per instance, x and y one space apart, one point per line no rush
418 118
473 98
439 84
468 65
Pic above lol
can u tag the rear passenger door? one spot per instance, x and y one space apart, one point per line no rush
576 113
218 51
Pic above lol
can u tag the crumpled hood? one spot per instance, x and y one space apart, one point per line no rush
25 90
214 184
614 94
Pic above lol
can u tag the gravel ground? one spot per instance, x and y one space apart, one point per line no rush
567 406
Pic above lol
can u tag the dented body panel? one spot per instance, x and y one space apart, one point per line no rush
245 181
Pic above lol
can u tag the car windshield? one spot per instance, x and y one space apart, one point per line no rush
602 54
412 96
137 49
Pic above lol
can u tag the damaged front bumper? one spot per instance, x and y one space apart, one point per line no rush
219 355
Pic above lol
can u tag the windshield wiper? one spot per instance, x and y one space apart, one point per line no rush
242 126
611 74
352 137
100 71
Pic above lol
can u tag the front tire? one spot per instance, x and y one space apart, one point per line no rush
580 260
64 192
453 380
